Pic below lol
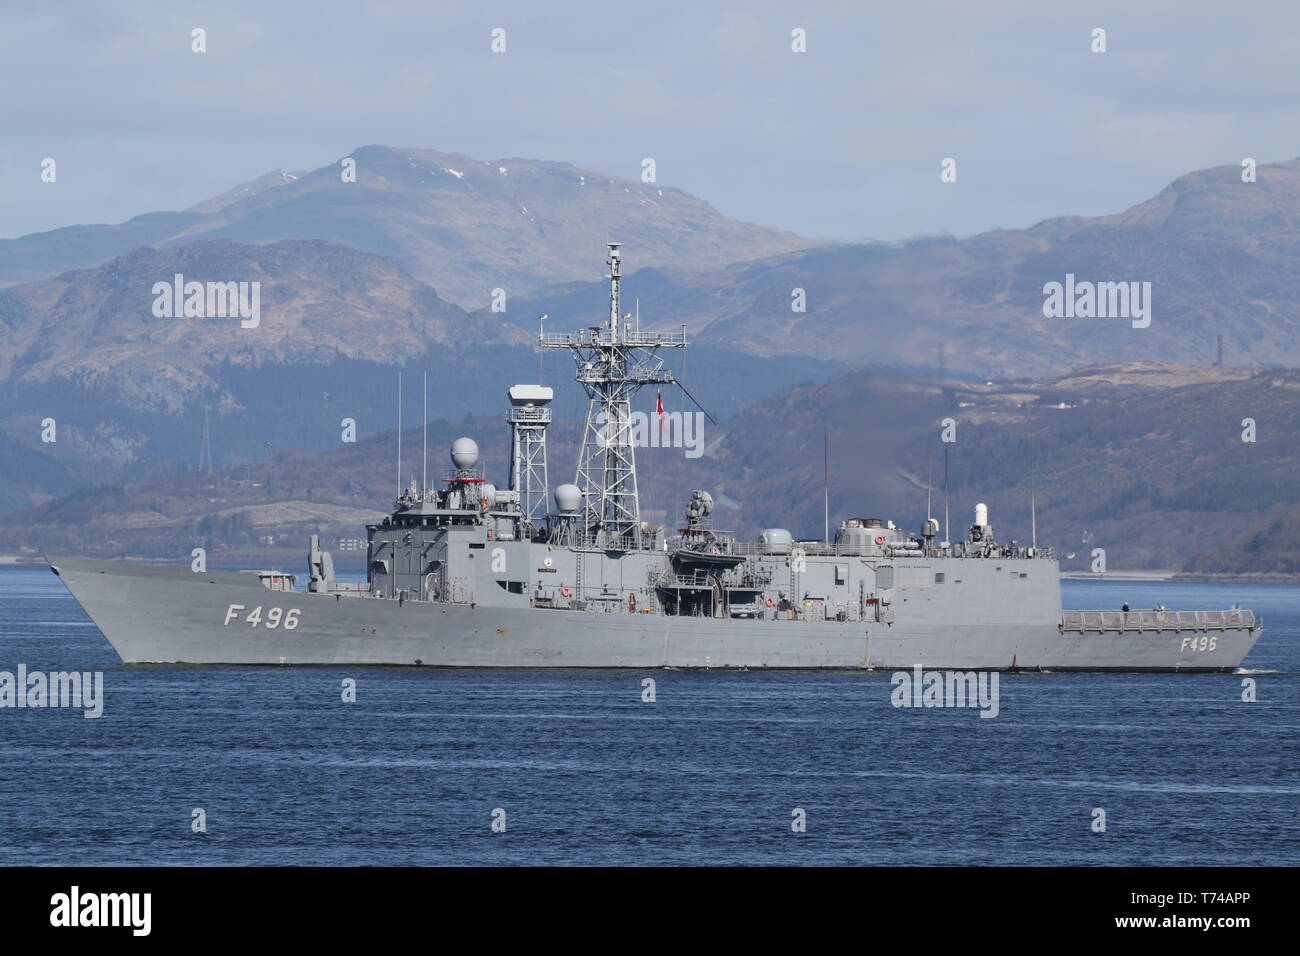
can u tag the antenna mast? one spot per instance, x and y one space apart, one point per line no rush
1033 512
929 480
612 364
945 494
826 483
399 433
424 426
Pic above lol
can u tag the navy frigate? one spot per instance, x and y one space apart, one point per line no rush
473 575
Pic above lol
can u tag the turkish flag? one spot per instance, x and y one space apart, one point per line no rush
659 407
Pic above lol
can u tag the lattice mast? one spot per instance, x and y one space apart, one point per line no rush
529 417
613 362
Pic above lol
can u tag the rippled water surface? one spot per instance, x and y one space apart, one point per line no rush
585 772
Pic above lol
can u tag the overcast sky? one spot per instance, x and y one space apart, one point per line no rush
842 141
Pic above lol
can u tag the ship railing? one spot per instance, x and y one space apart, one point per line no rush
650 374
592 338
640 374
756 548
671 579
750 578
1153 620
350 587
599 541
751 582
719 543
817 548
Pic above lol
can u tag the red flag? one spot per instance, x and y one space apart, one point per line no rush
659 407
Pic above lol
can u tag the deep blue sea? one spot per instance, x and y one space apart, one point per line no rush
587 773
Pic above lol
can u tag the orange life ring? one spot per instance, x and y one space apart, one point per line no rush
770 602
880 539
631 603
565 592
491 534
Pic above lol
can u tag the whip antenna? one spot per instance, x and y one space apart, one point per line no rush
826 483
1033 512
424 425
945 494
929 479
399 433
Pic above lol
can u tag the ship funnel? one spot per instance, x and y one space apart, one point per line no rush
464 453
982 515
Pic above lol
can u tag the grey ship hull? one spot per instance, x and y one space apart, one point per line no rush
170 615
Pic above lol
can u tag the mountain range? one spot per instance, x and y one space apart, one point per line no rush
462 225
1220 255
364 284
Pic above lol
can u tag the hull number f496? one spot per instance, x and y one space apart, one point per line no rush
1201 643
274 617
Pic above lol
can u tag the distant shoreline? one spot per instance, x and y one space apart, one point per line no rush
1119 576
1246 577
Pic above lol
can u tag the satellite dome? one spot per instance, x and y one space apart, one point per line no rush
568 498
464 453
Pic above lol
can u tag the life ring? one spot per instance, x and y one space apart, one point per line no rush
880 539
631 603
491 534
485 503
770 602
565 592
